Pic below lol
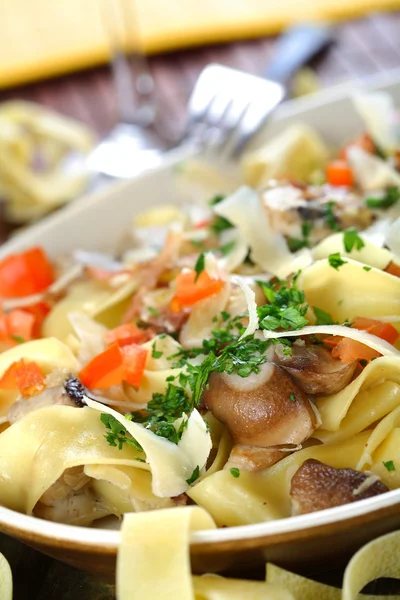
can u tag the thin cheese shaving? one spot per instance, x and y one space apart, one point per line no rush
393 237
372 341
370 480
244 210
371 172
250 297
171 465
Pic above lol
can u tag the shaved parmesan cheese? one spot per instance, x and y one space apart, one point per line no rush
364 485
372 341
393 237
250 297
237 255
171 465
378 112
211 265
268 248
371 172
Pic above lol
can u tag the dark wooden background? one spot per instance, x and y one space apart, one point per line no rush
363 47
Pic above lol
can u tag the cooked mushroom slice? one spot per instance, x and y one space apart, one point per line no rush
316 486
263 409
49 396
314 370
253 458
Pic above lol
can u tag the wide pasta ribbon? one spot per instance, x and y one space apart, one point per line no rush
154 562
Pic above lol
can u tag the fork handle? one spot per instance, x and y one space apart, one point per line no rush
296 48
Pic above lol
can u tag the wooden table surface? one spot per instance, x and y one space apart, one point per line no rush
363 47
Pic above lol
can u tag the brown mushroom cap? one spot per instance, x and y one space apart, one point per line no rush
314 370
316 486
253 458
263 409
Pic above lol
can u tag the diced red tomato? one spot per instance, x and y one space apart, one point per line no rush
127 334
349 350
114 365
202 224
364 142
393 269
16 326
338 173
134 361
191 289
105 369
40 310
385 331
26 273
26 376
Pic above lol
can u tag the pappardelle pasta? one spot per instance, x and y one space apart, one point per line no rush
241 354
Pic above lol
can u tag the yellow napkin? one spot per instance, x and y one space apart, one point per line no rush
41 38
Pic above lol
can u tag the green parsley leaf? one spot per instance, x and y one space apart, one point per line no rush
292 397
304 242
286 308
154 352
216 200
194 476
363 362
199 266
323 318
153 311
351 240
17 338
235 472
336 261
330 218
225 315
220 224
117 434
389 465
391 196
366 268
227 248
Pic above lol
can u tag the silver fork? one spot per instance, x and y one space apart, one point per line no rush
132 145
227 107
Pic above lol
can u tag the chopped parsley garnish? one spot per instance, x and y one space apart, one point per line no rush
154 352
336 261
227 248
235 472
195 475
117 434
366 268
216 200
163 410
351 240
292 397
391 196
389 465
220 224
330 218
153 311
199 266
323 318
304 241
226 351
363 362
286 308
17 338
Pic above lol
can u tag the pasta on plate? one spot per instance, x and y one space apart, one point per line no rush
241 355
